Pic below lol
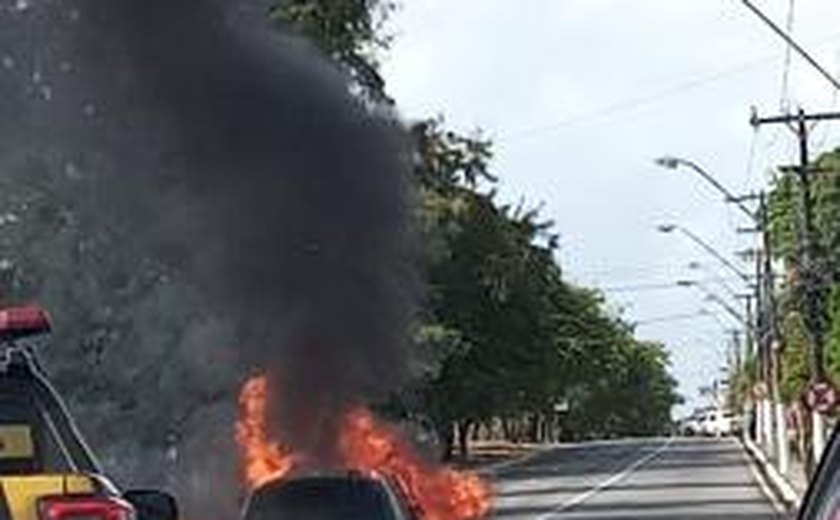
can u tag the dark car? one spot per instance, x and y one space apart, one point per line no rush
822 501
47 471
331 497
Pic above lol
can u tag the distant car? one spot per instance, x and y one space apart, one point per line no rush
690 427
47 471
325 497
719 423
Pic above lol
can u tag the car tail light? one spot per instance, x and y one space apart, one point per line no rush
84 508
20 322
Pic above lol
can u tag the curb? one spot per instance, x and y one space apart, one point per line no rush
491 469
779 484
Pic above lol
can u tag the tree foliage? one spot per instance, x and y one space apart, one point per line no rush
795 372
348 31
502 338
523 340
786 235
743 379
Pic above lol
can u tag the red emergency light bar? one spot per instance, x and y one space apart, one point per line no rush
21 322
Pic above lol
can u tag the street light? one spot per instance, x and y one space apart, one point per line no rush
710 295
673 163
697 266
670 228
766 301
728 308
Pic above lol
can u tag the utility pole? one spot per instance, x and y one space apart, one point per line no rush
762 405
737 344
770 431
809 271
772 341
750 333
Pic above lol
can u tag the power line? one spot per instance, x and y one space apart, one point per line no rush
792 43
751 157
627 269
658 286
641 287
640 101
629 104
673 317
834 93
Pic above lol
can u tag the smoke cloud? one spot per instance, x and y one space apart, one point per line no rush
239 157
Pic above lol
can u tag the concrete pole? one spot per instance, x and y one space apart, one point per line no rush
818 422
767 412
782 446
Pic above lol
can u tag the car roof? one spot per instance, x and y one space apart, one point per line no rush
350 490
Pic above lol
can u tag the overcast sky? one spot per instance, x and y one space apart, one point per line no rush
581 95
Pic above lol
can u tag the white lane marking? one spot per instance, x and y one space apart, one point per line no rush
762 483
583 497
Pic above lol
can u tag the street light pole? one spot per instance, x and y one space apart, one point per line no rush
713 297
766 327
716 278
670 228
672 163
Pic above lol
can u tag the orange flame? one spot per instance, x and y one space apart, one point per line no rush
262 459
366 445
440 493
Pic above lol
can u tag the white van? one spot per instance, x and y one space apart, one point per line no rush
718 423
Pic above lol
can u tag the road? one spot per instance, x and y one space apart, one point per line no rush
690 479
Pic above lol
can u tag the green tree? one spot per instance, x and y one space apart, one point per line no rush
785 212
501 335
742 381
833 336
348 31
795 372
783 215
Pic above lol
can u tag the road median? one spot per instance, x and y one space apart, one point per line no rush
486 457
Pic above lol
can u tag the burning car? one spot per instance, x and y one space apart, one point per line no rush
376 457
47 471
328 497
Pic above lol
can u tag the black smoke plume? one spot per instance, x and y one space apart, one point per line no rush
240 158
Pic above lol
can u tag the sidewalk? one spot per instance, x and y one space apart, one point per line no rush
790 487
796 477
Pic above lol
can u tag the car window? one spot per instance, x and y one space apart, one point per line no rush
822 501
27 441
322 499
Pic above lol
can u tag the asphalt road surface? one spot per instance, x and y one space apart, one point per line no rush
689 479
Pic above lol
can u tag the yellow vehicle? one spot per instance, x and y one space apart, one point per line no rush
47 471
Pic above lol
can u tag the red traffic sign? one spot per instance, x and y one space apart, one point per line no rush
821 397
